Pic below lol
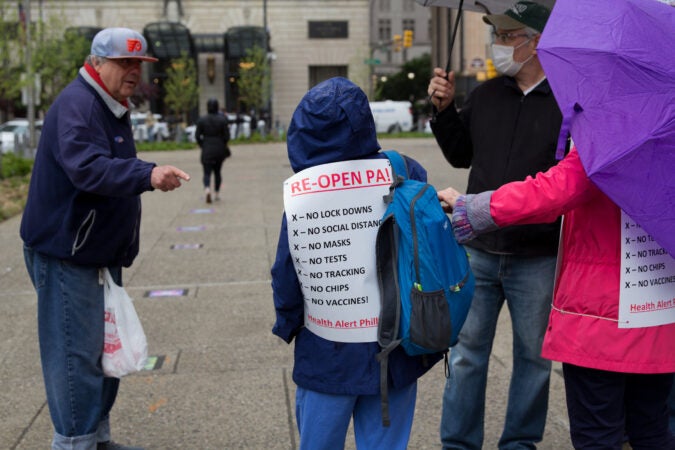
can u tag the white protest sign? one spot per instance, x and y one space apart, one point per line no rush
647 294
333 212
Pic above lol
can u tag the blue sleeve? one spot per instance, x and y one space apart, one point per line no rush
99 157
415 170
288 301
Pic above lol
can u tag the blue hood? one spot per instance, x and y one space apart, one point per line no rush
333 122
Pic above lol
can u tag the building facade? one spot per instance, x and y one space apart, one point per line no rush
307 41
390 19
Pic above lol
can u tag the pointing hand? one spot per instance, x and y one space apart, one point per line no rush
167 178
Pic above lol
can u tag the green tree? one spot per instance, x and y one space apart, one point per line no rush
254 79
410 83
10 58
181 88
57 57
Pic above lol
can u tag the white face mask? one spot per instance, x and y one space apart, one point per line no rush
502 57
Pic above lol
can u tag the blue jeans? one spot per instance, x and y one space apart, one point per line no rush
323 419
70 332
526 284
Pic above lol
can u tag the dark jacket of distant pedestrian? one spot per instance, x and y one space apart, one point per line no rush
82 215
212 134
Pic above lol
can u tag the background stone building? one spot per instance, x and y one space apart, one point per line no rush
307 41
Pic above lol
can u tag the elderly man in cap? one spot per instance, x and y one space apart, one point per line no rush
83 215
506 130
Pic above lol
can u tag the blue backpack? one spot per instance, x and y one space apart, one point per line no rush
426 283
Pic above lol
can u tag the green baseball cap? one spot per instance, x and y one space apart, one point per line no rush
521 15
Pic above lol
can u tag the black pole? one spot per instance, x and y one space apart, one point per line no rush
265 15
452 44
454 35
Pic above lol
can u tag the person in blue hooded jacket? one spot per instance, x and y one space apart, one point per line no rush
338 381
82 215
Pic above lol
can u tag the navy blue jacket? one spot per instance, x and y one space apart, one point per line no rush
84 199
333 123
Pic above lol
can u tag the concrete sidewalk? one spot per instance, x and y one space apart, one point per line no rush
221 380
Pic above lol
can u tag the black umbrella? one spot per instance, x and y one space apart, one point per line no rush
484 6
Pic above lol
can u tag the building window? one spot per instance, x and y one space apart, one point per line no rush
328 29
408 5
385 5
384 29
317 74
408 24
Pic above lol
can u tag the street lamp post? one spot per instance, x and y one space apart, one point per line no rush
30 88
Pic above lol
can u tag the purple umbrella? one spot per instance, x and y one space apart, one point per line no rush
611 65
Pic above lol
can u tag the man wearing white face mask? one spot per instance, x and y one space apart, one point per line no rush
506 130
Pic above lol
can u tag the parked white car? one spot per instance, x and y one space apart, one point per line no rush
140 128
392 116
16 131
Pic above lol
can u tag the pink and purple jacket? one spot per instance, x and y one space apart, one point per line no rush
583 325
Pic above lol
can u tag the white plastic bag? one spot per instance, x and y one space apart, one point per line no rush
125 349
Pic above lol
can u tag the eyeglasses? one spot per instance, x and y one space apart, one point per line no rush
125 62
507 38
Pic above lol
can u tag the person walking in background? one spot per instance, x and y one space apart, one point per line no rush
212 134
507 129
336 369
82 215
617 380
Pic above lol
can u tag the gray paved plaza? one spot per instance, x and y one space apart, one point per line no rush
221 380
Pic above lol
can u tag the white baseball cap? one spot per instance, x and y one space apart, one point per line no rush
118 43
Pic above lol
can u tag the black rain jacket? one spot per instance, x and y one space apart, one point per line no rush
504 136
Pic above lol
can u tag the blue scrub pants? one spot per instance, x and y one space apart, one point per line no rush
323 419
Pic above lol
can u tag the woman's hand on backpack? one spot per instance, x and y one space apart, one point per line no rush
448 198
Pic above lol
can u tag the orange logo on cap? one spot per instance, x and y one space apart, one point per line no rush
134 45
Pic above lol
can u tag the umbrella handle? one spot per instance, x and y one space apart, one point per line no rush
565 126
452 44
454 36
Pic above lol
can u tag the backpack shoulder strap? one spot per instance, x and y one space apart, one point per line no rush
398 164
387 271
399 167
390 305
